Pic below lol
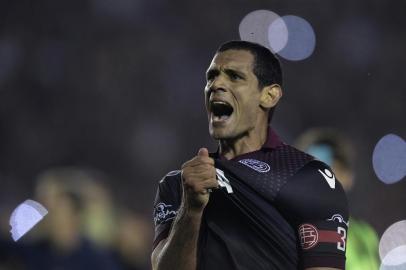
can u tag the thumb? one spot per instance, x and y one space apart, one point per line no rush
203 152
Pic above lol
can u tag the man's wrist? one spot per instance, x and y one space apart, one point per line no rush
191 212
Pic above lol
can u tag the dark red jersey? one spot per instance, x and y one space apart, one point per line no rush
277 208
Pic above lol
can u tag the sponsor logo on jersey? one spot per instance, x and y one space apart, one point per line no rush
330 178
163 212
309 236
338 218
256 165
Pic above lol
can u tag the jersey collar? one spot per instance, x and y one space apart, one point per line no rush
272 142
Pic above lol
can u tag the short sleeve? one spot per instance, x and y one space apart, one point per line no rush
315 203
166 205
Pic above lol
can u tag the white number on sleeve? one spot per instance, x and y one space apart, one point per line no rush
341 245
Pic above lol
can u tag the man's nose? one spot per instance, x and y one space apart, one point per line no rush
218 84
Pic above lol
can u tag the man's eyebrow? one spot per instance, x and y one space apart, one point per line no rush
234 72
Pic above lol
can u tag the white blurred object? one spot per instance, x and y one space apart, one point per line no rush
395 259
291 37
389 159
301 39
254 27
25 217
393 237
278 35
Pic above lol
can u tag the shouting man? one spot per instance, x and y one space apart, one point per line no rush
257 203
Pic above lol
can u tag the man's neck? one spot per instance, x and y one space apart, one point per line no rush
248 142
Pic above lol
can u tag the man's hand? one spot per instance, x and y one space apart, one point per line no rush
198 175
179 249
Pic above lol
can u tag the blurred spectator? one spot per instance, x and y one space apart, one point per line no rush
336 151
60 242
133 240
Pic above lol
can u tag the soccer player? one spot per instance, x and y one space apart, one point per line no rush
256 203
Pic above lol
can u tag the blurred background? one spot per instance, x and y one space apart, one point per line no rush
99 99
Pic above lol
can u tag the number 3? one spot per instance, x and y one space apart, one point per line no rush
341 245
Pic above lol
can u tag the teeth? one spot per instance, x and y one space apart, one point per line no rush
219 102
220 118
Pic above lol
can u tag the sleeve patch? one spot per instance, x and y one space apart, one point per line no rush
331 231
163 213
309 236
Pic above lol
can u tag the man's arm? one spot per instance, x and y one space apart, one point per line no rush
316 203
179 249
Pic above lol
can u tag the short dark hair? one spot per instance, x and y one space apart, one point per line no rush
266 68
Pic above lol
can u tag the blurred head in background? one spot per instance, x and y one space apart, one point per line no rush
331 147
81 208
133 240
57 190
78 203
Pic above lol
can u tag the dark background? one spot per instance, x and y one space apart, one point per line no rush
117 85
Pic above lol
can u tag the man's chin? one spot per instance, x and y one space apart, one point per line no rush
220 134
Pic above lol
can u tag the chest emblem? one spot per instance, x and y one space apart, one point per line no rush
256 165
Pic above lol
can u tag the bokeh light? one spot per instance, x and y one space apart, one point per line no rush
393 237
254 27
278 35
395 259
25 217
301 38
389 159
290 36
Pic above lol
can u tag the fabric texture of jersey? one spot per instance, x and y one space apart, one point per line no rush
282 210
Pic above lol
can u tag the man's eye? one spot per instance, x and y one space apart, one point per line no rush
235 76
210 76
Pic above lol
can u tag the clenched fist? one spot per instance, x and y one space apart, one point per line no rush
198 175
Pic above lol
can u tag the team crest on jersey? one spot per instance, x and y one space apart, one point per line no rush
256 165
163 212
309 236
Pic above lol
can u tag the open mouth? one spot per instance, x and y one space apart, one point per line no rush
221 111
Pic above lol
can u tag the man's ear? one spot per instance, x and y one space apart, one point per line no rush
270 96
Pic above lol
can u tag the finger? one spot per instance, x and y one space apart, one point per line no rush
196 177
195 174
210 183
198 160
203 152
202 169
202 186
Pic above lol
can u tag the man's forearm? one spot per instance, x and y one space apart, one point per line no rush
180 250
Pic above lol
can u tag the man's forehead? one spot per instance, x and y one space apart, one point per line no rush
234 59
